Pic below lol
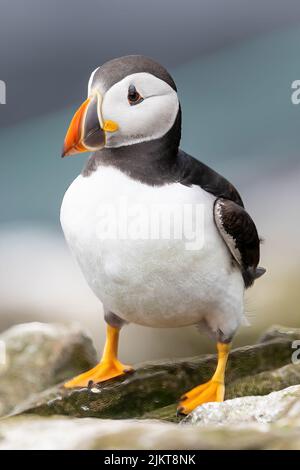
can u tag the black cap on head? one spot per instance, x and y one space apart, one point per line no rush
116 69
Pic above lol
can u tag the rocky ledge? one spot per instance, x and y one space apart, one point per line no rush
261 408
153 389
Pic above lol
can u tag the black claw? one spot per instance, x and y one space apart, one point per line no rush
90 384
179 412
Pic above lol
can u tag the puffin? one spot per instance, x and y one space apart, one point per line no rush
192 270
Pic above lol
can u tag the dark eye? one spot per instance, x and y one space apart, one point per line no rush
133 96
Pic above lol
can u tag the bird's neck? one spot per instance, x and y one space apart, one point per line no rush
153 162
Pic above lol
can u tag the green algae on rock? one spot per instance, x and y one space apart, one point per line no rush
153 389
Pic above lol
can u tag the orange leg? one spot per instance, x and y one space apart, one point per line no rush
109 365
213 390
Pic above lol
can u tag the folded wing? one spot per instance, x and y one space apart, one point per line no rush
240 235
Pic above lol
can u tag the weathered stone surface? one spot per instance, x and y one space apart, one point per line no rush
265 382
155 386
35 432
38 356
279 331
270 408
62 432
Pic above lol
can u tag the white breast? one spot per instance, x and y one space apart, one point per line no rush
145 276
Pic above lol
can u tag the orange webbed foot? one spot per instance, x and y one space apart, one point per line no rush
210 391
100 373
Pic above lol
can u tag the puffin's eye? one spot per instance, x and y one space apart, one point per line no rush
133 96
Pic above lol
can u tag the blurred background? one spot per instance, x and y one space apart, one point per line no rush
234 62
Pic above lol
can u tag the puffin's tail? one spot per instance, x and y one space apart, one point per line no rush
260 271
251 274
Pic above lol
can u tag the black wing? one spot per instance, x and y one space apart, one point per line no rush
240 235
195 172
233 222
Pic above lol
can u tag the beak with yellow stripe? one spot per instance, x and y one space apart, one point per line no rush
87 130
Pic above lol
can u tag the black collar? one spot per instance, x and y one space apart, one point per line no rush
154 162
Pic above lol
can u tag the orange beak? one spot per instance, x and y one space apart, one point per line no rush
85 133
73 141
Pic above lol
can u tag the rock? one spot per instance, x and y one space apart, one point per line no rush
257 384
62 432
265 382
279 331
57 433
166 413
38 356
253 409
148 392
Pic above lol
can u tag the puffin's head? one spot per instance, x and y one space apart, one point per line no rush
130 100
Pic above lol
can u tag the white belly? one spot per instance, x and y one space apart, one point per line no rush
145 276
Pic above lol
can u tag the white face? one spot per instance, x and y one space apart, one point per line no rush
149 119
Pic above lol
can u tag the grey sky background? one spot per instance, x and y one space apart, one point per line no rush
49 47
